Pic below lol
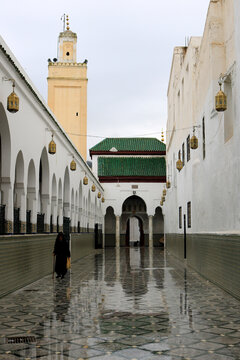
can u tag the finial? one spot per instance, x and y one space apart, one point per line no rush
68 28
162 136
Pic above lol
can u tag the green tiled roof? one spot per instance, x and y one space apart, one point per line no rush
130 144
131 166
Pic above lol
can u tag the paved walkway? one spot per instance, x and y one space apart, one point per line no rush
116 305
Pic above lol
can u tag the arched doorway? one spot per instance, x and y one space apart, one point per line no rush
134 222
110 227
134 231
158 228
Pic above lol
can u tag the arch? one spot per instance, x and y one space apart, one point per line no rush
44 173
134 207
43 218
54 186
59 205
31 198
5 142
66 194
19 212
72 211
110 227
53 216
158 228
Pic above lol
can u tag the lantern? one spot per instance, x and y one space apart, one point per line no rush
99 195
93 188
52 147
163 198
220 100
161 203
194 142
168 184
164 192
13 101
85 180
103 200
179 164
162 136
73 165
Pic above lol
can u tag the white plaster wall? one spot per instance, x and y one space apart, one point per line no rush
211 184
30 132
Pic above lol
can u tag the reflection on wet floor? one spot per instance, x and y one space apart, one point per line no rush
131 303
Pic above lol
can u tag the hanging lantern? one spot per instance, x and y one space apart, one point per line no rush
179 164
103 200
52 147
163 198
99 195
162 136
161 203
168 184
194 142
164 192
13 101
85 180
73 165
220 100
93 188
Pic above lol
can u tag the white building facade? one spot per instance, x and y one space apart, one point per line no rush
202 207
133 173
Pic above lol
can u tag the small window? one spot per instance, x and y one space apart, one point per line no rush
180 217
188 148
76 113
189 215
203 138
183 154
68 53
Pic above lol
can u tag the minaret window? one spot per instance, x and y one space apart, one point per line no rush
68 53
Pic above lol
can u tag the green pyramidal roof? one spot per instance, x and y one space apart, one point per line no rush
129 144
131 166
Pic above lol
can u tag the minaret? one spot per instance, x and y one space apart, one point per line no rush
67 89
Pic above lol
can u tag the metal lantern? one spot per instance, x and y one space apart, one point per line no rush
99 195
73 165
164 192
162 136
168 184
194 142
179 164
161 203
85 180
93 188
103 200
13 101
52 147
220 100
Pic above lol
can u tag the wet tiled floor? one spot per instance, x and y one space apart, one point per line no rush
122 304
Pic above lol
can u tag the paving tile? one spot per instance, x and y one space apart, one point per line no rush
108 311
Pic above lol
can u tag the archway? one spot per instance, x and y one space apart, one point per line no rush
134 222
43 216
158 228
110 227
31 198
18 195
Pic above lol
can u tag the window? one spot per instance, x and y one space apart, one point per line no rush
189 215
188 148
183 154
203 138
180 217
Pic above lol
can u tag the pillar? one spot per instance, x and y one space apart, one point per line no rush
117 231
7 199
150 241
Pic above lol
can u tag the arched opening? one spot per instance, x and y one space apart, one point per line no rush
31 198
66 203
43 216
134 232
60 206
6 196
18 196
110 227
134 222
72 216
158 228
80 210
53 217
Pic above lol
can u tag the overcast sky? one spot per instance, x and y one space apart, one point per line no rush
128 44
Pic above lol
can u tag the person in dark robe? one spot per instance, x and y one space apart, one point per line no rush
61 252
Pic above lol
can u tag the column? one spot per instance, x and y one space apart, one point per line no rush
150 241
117 231
7 199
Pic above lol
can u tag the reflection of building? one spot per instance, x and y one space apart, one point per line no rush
203 201
67 90
133 173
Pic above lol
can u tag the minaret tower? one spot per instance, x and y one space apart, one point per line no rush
67 89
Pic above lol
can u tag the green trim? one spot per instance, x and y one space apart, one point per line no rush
130 144
131 166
